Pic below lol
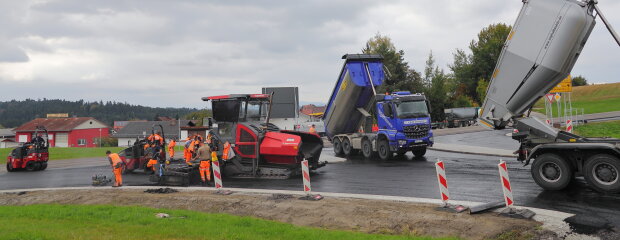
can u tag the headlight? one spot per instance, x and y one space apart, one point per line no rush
402 142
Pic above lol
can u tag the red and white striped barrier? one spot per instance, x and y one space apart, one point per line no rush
443 181
569 125
505 180
217 175
306 176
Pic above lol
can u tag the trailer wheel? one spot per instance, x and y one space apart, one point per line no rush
602 172
419 152
347 149
383 148
30 166
551 172
337 146
366 148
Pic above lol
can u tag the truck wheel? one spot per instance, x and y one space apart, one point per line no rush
366 148
30 166
419 152
551 172
337 146
384 150
347 149
43 166
602 172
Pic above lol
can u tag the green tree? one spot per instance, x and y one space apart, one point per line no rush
398 72
199 116
579 81
481 89
436 85
470 69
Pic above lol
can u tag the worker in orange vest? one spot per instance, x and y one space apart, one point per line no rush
186 155
171 146
155 158
117 168
204 155
191 151
312 129
156 139
226 151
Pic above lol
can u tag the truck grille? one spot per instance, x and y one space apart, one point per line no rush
416 131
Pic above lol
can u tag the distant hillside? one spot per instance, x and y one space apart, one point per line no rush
593 98
15 113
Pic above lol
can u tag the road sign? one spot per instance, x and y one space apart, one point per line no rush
550 97
557 97
565 86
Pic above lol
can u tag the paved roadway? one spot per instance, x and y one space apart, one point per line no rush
471 178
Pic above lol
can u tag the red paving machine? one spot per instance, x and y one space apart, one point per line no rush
261 149
32 156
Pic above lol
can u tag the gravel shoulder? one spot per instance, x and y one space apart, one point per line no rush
370 216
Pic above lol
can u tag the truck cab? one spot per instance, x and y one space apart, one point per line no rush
404 119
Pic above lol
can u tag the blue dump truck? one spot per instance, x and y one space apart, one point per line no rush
403 118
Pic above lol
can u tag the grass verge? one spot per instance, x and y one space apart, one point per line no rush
599 129
593 99
116 222
68 153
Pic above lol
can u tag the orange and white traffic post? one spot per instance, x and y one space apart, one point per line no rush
505 180
569 125
305 172
443 182
217 175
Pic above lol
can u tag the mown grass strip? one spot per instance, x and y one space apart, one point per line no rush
116 222
599 129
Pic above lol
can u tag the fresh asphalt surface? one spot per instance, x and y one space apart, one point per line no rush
470 178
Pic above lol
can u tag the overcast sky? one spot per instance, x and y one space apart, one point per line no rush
172 53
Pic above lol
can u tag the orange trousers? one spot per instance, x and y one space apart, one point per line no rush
171 152
205 170
151 164
187 155
118 176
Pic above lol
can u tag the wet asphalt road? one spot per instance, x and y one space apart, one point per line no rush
470 178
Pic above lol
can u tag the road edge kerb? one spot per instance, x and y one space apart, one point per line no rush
552 220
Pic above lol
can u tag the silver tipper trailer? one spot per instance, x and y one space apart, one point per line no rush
540 52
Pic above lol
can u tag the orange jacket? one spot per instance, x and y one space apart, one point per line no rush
225 151
115 160
172 144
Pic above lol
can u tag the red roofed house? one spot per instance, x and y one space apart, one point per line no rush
66 132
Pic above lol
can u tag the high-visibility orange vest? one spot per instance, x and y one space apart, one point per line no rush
115 159
225 151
